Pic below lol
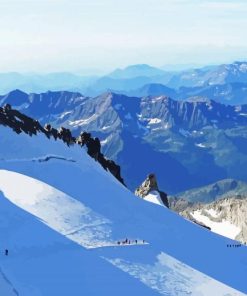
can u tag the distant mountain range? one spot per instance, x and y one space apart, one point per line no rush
218 190
230 93
133 71
187 144
33 82
224 83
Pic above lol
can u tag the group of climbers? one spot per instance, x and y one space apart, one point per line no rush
131 242
22 123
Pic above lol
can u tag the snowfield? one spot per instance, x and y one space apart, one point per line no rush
57 210
224 227
154 197
62 218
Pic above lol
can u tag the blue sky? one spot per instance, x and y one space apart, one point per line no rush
78 35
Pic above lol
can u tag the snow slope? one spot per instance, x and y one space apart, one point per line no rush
224 227
62 216
44 262
154 197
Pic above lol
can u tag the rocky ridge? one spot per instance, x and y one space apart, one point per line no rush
21 123
231 210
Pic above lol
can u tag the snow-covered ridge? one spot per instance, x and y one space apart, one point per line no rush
71 196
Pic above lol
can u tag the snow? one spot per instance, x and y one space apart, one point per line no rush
106 127
71 218
212 213
61 221
168 276
243 67
159 98
157 128
81 122
104 142
166 126
224 228
64 114
42 262
6 287
154 120
154 197
200 145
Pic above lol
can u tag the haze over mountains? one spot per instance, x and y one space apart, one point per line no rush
223 83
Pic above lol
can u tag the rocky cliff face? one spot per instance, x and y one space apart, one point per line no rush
149 191
226 216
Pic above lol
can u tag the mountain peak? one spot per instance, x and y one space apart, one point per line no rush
139 70
15 97
16 92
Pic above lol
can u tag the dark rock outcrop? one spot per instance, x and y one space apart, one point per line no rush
22 123
94 150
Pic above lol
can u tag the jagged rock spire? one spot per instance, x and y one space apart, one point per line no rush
150 184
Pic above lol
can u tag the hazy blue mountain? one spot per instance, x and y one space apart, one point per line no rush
221 189
185 67
234 93
187 144
224 83
136 71
108 84
230 93
228 73
153 89
44 82
129 79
